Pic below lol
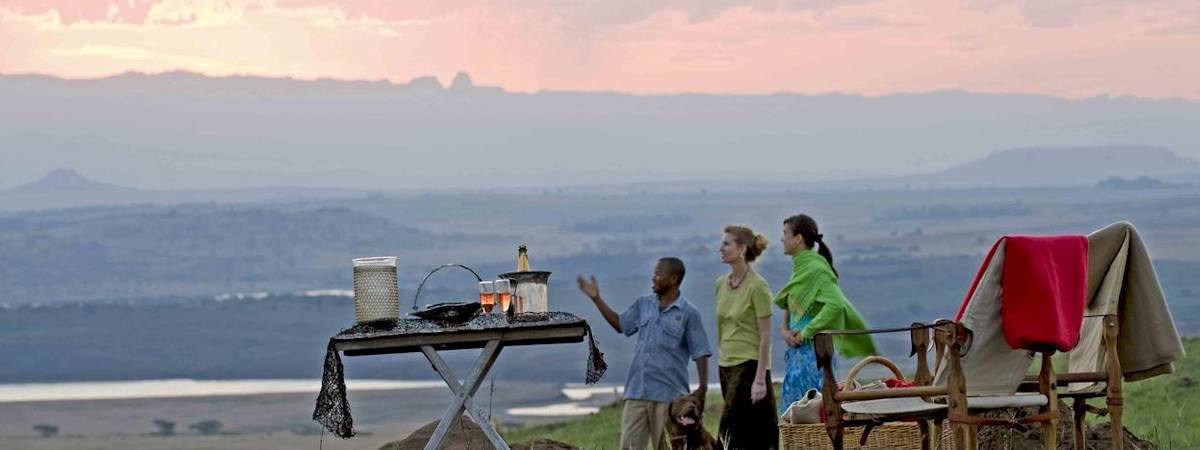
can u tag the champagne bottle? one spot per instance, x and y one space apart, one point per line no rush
522 259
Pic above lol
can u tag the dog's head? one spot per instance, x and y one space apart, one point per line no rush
687 411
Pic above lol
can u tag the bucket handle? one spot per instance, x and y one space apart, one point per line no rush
435 269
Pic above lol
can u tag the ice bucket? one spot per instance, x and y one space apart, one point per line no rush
376 294
531 290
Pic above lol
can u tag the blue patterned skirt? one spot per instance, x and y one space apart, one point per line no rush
801 364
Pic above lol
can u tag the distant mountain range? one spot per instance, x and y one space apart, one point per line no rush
186 131
1054 166
65 180
1014 168
67 188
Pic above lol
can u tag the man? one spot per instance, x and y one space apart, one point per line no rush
669 334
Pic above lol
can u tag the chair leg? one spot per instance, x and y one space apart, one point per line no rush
1047 386
1118 430
935 435
1050 435
1079 408
835 437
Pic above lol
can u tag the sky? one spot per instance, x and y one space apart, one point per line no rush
1066 48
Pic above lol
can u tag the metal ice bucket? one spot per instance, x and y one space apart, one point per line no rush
531 291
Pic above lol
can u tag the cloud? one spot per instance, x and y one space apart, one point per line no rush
752 46
585 12
139 54
1066 13
72 11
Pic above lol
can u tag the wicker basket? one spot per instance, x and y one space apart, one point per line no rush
891 436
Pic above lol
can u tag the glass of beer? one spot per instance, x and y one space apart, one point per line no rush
504 291
487 296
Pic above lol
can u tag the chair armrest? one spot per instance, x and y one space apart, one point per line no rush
915 326
875 394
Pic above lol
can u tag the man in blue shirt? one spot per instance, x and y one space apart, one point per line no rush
669 334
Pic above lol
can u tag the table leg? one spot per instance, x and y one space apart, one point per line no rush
473 410
482 365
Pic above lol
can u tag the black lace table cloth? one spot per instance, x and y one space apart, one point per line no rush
490 332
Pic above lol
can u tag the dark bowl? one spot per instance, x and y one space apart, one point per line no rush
532 276
452 312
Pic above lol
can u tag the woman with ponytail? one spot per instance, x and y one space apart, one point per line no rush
749 420
813 302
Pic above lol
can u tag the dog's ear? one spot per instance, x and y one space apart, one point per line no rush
676 405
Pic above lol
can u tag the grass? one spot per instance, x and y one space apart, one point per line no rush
601 430
1164 410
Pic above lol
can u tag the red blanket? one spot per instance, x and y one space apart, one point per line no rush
1044 289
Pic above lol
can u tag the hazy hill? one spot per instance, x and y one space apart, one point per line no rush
1056 166
181 130
203 249
63 180
67 188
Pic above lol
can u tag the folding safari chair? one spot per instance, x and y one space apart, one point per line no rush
1121 279
976 369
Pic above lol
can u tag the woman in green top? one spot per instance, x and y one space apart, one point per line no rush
813 302
749 420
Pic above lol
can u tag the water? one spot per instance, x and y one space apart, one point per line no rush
247 408
172 388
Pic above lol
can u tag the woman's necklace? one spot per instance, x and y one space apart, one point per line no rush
735 281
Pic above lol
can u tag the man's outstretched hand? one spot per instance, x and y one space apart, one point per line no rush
590 289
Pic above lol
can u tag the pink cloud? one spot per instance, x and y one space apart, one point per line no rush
749 46
72 11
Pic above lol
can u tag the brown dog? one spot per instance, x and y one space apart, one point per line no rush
685 429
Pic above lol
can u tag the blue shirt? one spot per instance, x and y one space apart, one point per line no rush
667 340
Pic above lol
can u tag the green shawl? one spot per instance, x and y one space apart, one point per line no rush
813 287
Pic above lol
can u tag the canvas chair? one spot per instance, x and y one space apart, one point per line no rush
976 371
1121 280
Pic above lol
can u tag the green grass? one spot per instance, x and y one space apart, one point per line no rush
1164 410
601 430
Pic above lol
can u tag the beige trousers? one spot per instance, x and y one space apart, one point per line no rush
641 421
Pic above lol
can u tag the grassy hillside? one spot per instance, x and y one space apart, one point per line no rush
601 430
1163 409
1160 409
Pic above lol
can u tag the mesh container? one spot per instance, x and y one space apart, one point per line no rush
891 436
376 294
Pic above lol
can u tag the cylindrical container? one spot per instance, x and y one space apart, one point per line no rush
531 290
376 293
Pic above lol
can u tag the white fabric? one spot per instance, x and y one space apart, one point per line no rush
1006 401
870 409
805 410
989 365
1088 354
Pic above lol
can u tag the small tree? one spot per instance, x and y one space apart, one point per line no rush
209 426
165 427
46 430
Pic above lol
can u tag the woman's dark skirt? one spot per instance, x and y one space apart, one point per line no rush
746 425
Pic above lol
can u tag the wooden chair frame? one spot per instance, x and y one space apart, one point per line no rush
951 340
1110 375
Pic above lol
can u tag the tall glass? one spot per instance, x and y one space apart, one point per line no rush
487 296
504 292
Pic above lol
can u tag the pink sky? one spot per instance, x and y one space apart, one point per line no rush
1071 48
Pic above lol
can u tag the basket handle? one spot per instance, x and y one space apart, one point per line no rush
435 269
852 375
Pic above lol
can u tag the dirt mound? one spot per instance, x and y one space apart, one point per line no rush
1099 436
543 444
466 435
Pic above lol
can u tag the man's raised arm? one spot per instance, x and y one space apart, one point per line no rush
592 290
